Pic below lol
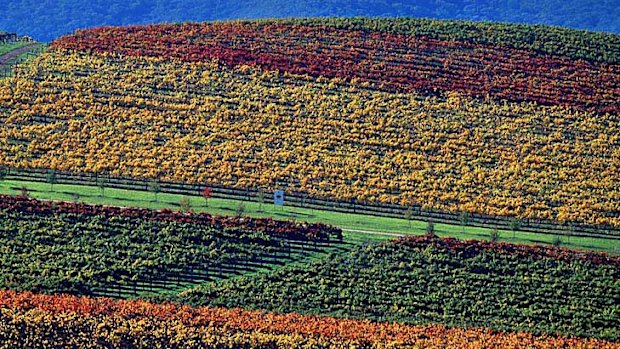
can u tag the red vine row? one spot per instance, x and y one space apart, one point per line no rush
398 61
294 230
475 247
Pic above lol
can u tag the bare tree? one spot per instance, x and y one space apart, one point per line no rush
154 187
51 179
408 215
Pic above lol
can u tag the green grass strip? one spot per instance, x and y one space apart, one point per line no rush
358 225
6 48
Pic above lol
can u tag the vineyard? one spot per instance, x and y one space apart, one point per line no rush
422 280
81 249
72 322
557 41
402 62
244 121
504 127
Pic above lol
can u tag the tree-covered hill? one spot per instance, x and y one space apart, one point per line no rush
47 19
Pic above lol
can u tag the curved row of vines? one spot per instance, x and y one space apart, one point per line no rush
420 280
27 320
247 127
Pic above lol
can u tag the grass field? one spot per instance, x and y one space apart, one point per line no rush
351 223
4 48
33 50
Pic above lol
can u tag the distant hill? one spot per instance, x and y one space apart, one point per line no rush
47 19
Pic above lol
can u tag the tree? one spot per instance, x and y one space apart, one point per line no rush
464 220
570 232
24 191
51 179
101 185
184 204
494 235
430 227
261 198
206 194
408 215
240 209
154 187
515 224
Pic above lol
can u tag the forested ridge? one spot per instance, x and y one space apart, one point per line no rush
46 20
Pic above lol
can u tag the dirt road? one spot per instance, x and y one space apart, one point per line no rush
7 57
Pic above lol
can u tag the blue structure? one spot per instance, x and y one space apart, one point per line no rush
278 198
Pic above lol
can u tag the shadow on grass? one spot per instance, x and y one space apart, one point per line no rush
294 215
536 241
307 215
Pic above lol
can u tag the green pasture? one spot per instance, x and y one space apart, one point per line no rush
5 48
32 51
356 226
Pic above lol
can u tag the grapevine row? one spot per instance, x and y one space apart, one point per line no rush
244 127
289 230
27 319
403 62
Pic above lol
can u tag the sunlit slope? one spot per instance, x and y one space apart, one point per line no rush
409 123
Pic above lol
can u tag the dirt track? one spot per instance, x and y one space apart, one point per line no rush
7 57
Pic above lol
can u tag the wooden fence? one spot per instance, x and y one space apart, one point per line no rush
305 201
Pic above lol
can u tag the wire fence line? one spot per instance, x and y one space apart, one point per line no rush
302 200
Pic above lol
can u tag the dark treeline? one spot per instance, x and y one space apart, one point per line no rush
46 19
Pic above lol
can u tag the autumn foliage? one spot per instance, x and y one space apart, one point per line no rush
296 230
61 321
331 112
474 247
404 62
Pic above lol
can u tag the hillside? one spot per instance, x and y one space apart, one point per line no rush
422 280
333 112
507 133
46 20
393 294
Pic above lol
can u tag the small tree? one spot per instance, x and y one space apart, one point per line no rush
101 185
261 198
3 173
240 209
408 215
430 227
206 194
556 241
515 224
51 179
569 233
464 220
184 204
494 235
154 187
24 191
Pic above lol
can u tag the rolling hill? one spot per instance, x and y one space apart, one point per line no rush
398 112
496 125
